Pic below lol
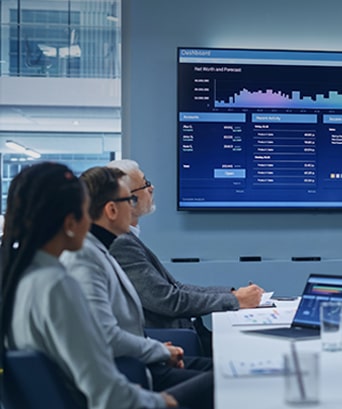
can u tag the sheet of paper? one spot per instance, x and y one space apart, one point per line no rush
266 299
262 316
258 367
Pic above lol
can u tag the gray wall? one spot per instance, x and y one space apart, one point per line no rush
152 31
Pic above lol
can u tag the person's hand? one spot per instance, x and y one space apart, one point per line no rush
249 297
176 358
169 400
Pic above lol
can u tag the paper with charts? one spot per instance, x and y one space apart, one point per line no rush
255 367
262 316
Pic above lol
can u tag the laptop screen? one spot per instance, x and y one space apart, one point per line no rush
318 288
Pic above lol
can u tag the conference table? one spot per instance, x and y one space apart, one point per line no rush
244 363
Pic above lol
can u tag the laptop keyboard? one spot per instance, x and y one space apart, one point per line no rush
292 332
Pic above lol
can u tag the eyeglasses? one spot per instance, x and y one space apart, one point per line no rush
133 200
146 185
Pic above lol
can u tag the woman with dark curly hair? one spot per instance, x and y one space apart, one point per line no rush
43 308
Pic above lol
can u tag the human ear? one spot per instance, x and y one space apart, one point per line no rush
69 225
111 210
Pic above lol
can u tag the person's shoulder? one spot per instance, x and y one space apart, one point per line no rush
123 238
45 277
126 236
89 254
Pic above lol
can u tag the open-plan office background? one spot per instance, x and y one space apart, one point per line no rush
152 30
60 84
60 97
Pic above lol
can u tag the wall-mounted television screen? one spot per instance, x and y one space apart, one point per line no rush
259 129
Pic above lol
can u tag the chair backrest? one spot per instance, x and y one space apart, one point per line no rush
32 381
134 370
184 337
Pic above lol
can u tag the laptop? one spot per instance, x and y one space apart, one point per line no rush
306 322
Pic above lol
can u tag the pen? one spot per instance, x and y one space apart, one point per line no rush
234 289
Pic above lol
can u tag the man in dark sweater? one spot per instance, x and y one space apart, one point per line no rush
168 303
115 303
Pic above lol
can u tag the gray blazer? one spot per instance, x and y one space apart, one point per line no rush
113 301
167 303
51 315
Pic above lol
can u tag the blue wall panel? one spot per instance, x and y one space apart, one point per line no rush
152 31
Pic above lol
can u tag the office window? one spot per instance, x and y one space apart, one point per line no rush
60 83
14 163
60 38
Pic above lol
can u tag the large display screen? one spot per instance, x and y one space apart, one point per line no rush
259 129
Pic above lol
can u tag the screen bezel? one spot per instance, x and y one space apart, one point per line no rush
251 206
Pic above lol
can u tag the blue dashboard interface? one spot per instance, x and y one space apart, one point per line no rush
259 129
317 290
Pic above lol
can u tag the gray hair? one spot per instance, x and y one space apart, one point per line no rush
125 165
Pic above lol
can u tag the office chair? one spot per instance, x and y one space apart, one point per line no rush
134 370
36 58
185 337
33 381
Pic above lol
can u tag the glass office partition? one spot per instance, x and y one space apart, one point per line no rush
60 82
14 163
64 38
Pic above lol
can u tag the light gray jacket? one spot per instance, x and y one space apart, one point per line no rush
51 315
113 301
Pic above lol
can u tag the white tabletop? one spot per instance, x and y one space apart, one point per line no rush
231 347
